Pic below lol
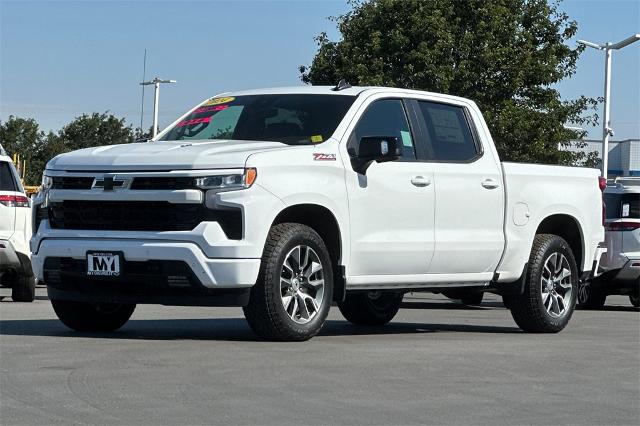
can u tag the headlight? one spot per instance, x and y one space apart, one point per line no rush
228 182
47 182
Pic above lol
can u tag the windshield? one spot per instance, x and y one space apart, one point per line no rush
291 119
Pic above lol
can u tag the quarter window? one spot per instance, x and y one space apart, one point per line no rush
448 133
387 118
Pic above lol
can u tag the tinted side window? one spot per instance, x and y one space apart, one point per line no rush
448 132
387 118
6 178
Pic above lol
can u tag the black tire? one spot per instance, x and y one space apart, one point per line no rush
370 308
265 311
24 289
507 301
591 295
92 317
635 300
528 309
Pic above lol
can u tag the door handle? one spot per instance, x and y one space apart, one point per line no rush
490 184
420 181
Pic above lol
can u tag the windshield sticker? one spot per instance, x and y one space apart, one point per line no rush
317 156
214 108
193 121
316 138
218 101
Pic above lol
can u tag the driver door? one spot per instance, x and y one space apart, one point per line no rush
391 207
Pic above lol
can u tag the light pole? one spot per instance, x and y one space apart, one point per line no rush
606 121
156 99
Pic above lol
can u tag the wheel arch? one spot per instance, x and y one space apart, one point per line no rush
567 227
324 222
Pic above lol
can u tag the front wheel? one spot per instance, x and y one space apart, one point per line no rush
291 299
550 289
370 308
93 317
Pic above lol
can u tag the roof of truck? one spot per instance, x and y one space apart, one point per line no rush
328 90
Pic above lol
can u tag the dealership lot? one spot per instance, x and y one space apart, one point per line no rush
438 363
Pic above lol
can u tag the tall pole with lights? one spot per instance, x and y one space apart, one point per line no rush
156 100
607 131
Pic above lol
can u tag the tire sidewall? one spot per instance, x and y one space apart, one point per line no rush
556 245
273 286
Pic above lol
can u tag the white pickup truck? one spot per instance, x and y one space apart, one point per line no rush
283 201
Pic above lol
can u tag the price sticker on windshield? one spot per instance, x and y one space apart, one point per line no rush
218 101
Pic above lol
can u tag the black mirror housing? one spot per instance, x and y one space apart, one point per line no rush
375 148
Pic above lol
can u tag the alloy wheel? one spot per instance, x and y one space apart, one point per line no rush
556 285
302 284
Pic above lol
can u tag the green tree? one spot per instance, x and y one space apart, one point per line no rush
95 130
506 55
22 136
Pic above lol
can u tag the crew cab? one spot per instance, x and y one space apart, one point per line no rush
15 232
284 200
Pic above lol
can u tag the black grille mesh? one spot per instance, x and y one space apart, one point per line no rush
140 216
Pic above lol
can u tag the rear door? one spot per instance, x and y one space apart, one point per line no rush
8 188
469 193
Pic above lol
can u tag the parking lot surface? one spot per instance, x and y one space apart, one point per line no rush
438 363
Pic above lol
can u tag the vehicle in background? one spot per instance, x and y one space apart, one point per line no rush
15 232
620 265
285 200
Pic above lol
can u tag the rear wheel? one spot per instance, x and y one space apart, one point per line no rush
292 296
550 289
92 317
591 294
370 308
635 300
24 288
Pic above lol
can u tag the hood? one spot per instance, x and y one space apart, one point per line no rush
165 155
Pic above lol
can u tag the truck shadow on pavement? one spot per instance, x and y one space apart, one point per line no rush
229 329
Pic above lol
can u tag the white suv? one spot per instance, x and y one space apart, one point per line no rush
621 263
15 232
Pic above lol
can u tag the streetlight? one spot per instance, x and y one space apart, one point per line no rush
156 98
606 124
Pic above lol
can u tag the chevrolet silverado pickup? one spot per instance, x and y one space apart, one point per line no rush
285 200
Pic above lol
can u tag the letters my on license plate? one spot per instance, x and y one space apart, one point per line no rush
104 264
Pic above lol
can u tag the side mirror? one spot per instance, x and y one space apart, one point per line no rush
374 148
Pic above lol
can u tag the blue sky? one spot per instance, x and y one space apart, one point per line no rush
59 59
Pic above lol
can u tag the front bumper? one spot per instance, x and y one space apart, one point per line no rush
210 272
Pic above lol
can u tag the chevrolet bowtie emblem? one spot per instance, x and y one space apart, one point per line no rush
109 183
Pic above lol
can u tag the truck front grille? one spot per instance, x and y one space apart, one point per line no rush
156 183
140 216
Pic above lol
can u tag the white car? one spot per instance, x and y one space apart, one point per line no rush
620 265
284 200
15 232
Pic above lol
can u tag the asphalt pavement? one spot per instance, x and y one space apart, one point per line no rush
437 363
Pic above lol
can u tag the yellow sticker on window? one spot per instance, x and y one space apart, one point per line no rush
316 138
218 101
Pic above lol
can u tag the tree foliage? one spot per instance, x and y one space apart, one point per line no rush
506 55
22 136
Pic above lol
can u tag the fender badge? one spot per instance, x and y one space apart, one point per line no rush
317 156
